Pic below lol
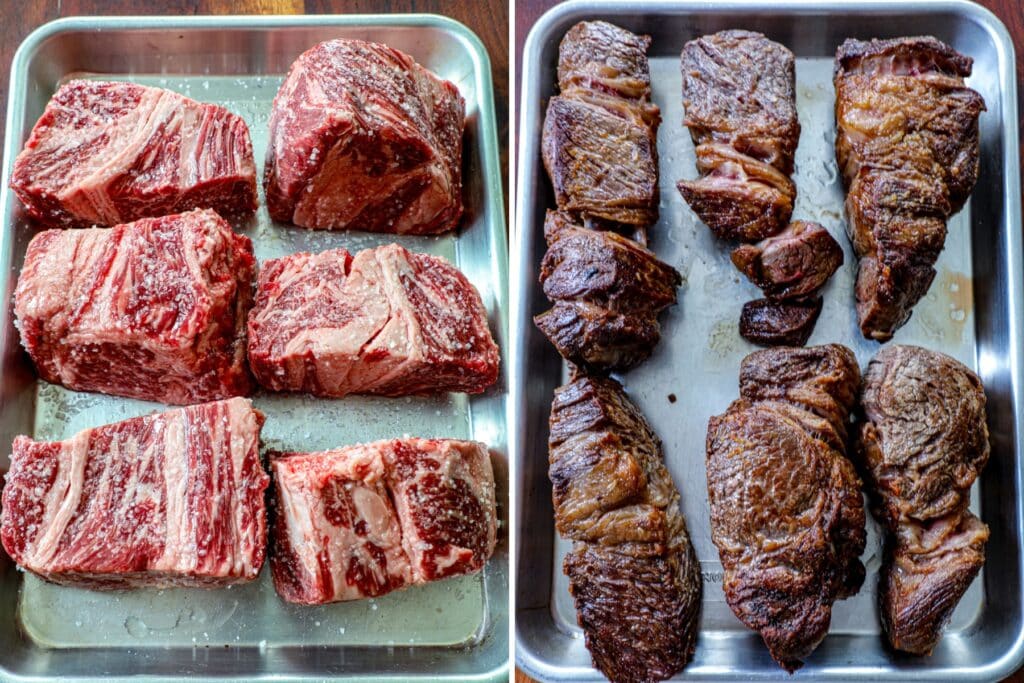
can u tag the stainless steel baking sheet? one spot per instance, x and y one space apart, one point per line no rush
972 312
454 629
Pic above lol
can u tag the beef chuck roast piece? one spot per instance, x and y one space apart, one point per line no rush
362 137
632 570
172 499
795 263
923 442
739 95
105 153
386 321
599 137
907 147
779 323
365 520
153 310
787 515
607 293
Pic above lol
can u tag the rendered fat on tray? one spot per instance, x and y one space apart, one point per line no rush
365 520
386 321
362 137
111 152
153 310
172 499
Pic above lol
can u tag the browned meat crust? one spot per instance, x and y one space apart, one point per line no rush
779 323
795 263
787 515
599 137
607 291
632 570
907 147
739 94
922 444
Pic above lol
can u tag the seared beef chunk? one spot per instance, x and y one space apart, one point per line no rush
608 292
797 262
779 323
599 135
632 570
907 146
739 94
786 508
922 444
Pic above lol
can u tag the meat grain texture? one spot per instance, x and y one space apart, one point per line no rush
153 310
739 93
599 142
607 292
362 521
386 321
172 499
362 137
787 515
907 147
632 570
105 153
923 442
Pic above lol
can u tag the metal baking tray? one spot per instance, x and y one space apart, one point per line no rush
452 630
973 312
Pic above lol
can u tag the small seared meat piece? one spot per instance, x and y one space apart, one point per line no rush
739 95
786 510
632 570
907 147
795 263
607 291
779 323
599 137
923 442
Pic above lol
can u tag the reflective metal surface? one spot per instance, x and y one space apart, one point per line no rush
972 312
451 630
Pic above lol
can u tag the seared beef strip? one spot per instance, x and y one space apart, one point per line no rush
739 94
795 263
632 570
787 515
907 147
599 137
607 291
922 444
779 323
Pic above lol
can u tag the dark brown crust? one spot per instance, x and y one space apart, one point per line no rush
922 444
739 92
779 323
908 150
786 508
632 569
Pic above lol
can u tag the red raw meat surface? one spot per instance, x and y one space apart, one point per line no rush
364 520
172 499
153 310
388 322
362 137
105 153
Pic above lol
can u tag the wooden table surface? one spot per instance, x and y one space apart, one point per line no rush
489 19
1009 11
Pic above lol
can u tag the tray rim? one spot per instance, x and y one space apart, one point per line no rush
522 270
493 206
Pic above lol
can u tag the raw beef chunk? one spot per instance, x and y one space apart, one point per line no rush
362 137
153 310
338 536
173 499
386 321
107 153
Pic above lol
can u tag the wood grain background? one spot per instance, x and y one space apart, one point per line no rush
1011 12
489 19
